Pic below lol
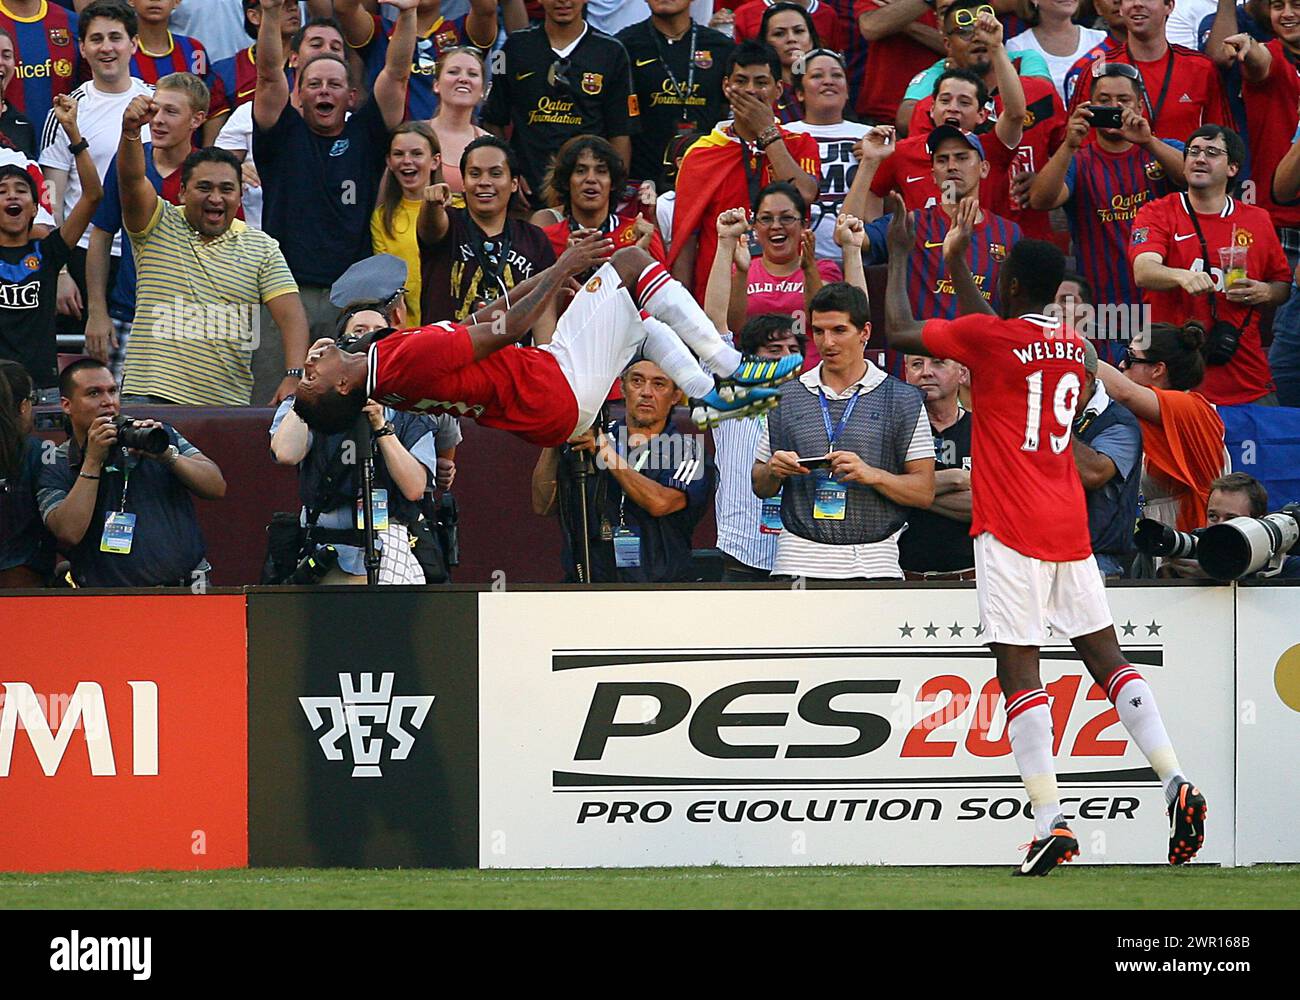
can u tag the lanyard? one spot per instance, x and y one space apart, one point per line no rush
672 77
1154 112
126 483
753 172
636 467
476 240
834 436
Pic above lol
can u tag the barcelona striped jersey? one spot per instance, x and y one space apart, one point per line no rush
238 80
421 101
184 55
47 54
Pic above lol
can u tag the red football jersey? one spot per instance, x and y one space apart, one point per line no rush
623 234
908 170
1026 375
1271 120
1179 98
891 63
432 370
833 35
1043 131
1165 227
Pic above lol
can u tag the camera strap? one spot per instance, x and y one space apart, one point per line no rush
1209 269
332 492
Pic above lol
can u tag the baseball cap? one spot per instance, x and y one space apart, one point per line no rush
952 132
376 279
1089 357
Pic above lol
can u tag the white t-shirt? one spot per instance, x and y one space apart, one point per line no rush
218 24
1184 24
237 136
835 143
1089 38
99 117
612 16
665 205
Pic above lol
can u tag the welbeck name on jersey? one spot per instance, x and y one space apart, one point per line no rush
1047 350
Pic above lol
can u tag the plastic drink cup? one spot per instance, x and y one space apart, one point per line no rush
1233 261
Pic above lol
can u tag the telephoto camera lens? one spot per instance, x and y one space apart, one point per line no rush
153 440
1244 546
1154 538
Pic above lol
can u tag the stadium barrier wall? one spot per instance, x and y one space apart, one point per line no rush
611 726
363 728
1268 724
815 727
123 733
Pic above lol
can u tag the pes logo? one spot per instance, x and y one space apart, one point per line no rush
362 709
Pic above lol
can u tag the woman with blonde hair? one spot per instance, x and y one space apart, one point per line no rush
460 81
414 159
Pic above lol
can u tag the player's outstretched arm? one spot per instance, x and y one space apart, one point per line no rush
901 328
505 329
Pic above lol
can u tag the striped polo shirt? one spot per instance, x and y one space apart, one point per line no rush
197 309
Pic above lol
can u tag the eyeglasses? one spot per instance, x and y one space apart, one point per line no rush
784 221
801 64
557 76
1101 68
1130 359
966 18
1209 152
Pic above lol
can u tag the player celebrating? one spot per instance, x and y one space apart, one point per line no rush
547 394
1026 373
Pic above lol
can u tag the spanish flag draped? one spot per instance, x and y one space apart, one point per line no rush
713 179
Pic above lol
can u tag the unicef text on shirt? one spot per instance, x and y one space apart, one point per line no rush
236 322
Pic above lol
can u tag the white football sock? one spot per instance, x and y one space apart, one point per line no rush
665 349
1136 704
1029 727
666 299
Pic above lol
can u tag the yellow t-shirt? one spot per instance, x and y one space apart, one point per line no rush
198 309
402 244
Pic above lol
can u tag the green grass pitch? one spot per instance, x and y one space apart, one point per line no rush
1121 887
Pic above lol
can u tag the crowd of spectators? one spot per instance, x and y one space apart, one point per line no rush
188 186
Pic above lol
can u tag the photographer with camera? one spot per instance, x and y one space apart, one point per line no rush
1232 496
1205 255
1182 434
117 496
26 549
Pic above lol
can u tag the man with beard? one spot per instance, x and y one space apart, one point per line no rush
320 168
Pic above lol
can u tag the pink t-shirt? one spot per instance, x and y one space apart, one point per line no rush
770 294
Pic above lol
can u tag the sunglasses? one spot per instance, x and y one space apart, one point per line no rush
966 18
557 75
1102 68
1130 359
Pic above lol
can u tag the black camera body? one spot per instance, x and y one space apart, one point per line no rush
152 440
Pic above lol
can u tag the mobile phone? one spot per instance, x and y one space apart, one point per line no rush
821 462
1106 117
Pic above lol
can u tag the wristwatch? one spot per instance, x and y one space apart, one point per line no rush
293 373
386 430
169 457
79 148
768 136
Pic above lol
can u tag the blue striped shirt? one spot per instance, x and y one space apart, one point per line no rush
738 511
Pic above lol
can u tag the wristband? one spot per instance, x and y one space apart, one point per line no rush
128 135
78 148
768 136
86 475
386 431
